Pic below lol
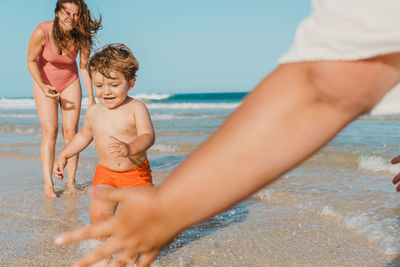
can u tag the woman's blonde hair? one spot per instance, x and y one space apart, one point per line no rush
114 57
84 31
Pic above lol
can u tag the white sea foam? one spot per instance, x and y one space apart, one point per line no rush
18 116
163 117
328 211
20 130
375 228
264 194
192 105
357 222
25 103
152 96
164 148
376 164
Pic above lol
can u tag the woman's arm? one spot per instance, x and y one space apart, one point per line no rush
35 47
87 81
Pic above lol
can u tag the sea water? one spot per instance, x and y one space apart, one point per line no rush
347 183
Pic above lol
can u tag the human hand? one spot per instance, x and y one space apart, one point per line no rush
396 179
117 148
58 167
49 91
138 231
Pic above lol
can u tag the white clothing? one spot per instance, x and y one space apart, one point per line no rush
346 30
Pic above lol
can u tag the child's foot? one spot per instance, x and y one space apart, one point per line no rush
73 190
49 192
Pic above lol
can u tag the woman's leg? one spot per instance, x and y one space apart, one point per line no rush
70 102
47 109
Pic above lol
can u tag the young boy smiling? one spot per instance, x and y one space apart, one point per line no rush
119 125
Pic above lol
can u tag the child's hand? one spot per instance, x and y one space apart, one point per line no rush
117 148
396 179
58 167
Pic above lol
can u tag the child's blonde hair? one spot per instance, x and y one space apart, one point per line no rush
114 57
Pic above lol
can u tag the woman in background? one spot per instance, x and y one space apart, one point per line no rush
52 51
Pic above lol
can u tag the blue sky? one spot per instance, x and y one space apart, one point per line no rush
183 46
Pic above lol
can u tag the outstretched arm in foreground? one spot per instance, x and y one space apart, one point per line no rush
292 113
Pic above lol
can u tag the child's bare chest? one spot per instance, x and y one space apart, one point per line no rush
119 125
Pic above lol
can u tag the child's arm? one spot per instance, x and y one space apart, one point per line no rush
79 142
142 142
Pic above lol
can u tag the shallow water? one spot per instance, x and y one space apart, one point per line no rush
337 208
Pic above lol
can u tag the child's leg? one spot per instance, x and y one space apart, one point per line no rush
101 210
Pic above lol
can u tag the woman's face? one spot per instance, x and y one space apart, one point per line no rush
68 16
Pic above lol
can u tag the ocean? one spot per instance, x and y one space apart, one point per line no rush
340 203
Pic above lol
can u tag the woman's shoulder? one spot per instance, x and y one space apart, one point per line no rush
41 29
46 25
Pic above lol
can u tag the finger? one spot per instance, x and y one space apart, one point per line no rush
58 174
104 251
98 230
51 90
112 138
112 144
56 170
52 95
113 149
147 258
112 141
124 258
398 188
107 194
60 167
396 160
396 179
50 87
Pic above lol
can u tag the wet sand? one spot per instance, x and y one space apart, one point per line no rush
253 233
274 235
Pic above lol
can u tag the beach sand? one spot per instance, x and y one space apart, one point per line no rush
253 233
274 235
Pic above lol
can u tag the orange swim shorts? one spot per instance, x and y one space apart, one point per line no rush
135 177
